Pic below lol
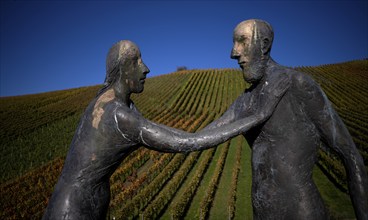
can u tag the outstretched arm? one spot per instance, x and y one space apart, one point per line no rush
335 135
163 138
158 137
252 102
167 139
229 116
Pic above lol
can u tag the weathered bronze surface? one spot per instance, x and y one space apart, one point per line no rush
284 147
112 127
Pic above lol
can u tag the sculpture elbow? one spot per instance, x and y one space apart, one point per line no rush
262 117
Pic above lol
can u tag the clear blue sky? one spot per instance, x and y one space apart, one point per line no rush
48 46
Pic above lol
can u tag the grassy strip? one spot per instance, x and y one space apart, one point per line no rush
234 177
127 169
138 203
334 169
179 208
155 208
37 148
220 210
26 196
207 200
127 193
193 210
243 204
337 202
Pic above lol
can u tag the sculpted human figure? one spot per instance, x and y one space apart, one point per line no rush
112 127
284 147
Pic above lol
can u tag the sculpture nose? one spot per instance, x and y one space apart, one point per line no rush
234 54
145 69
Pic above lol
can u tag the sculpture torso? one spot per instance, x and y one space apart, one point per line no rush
284 151
97 149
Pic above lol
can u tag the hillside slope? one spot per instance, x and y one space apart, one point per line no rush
36 131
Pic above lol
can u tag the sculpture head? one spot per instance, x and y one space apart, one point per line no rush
125 68
252 46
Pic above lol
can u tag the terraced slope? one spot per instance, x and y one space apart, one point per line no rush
36 131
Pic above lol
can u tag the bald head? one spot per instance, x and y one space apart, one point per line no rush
260 28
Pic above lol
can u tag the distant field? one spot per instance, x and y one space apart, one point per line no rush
36 131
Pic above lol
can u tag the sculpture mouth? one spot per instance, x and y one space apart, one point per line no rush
242 64
143 80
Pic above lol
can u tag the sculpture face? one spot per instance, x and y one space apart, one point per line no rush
247 50
133 69
136 74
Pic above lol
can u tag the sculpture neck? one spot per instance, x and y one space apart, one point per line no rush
122 93
264 67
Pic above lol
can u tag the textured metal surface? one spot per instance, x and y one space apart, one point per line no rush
284 148
112 127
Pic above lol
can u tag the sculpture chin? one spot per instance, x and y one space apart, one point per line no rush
251 76
140 90
253 72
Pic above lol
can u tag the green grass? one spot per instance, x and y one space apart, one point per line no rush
31 150
35 129
338 203
193 211
219 208
243 203
167 214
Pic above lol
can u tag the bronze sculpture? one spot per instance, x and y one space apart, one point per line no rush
112 127
284 148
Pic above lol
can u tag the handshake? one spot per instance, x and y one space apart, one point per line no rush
284 115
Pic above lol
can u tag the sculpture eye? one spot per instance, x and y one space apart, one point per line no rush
243 38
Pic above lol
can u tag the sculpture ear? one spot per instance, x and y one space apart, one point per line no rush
265 46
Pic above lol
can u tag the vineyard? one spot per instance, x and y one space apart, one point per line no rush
36 131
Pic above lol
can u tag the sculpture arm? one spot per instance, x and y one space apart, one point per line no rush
138 130
166 139
227 117
250 103
162 138
335 134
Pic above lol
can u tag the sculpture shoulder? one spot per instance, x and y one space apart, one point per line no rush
301 80
279 78
278 72
126 115
305 89
301 85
